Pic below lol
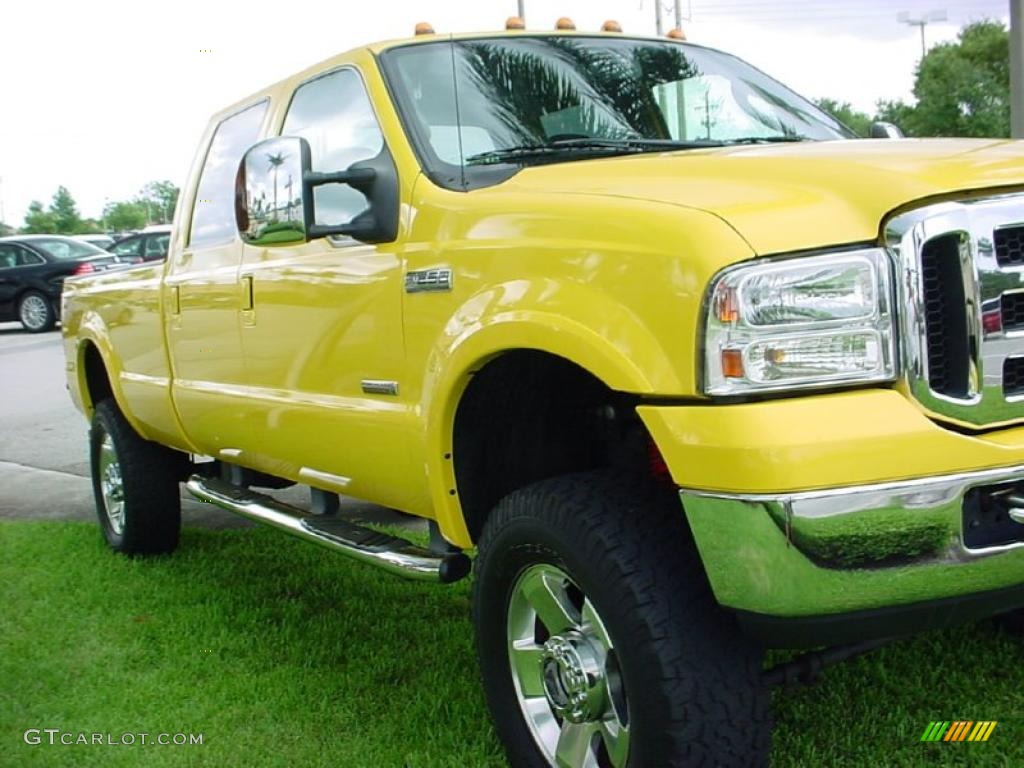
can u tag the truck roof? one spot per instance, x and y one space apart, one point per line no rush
377 48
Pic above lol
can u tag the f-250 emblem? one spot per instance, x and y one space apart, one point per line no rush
423 280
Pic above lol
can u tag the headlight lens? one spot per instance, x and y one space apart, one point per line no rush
804 322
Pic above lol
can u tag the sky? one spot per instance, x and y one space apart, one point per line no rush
104 96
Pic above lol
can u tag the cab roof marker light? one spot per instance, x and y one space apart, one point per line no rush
611 26
424 28
565 24
676 34
514 23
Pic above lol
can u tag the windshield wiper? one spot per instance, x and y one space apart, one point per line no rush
587 146
764 140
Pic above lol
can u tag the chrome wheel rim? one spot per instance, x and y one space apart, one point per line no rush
111 485
566 672
34 312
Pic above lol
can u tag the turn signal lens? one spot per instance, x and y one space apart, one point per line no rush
727 307
732 363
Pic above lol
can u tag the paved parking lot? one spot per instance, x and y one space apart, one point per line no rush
44 459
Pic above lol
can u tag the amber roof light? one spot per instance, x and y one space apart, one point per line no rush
565 23
611 26
514 22
423 28
677 34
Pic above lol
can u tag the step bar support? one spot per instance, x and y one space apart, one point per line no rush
391 553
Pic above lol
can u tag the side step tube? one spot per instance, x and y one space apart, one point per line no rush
391 553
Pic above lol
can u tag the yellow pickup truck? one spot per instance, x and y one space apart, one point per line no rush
687 369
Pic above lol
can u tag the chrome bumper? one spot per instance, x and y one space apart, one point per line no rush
851 549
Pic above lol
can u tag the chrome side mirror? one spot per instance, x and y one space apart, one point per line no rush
885 131
270 204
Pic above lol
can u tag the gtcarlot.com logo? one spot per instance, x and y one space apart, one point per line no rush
959 730
36 736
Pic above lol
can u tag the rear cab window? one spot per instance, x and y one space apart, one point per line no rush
213 211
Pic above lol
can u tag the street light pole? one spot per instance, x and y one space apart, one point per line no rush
679 14
522 9
1017 69
921 23
659 21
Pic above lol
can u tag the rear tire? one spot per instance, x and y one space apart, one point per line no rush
135 483
36 312
609 564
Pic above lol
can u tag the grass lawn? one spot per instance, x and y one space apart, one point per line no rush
281 654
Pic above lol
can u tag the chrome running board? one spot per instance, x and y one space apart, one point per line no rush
391 553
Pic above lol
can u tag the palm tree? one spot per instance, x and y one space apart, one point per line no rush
276 161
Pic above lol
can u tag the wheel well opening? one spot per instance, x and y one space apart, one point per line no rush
97 382
527 416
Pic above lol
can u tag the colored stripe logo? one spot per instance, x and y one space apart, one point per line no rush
959 730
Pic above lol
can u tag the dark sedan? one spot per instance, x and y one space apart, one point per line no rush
32 272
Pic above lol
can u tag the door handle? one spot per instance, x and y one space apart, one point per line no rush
247 294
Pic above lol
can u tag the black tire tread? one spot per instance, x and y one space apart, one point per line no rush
150 474
704 677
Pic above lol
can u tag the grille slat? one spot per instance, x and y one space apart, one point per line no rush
945 318
1012 311
1009 245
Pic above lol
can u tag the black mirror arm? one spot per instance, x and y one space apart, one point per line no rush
354 177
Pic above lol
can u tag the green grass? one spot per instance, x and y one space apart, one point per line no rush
283 655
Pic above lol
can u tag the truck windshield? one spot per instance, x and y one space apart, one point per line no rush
471 105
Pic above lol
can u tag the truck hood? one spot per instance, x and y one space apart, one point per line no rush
795 196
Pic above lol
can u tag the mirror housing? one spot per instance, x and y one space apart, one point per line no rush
265 217
882 130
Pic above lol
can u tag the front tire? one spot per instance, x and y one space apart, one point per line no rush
36 313
135 484
599 640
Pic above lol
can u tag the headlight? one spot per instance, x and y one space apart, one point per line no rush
804 322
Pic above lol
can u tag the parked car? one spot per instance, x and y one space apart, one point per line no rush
100 241
149 245
32 272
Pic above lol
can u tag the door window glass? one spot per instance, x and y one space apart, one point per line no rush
213 212
156 247
129 247
333 113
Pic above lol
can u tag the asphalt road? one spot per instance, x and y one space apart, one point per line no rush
44 453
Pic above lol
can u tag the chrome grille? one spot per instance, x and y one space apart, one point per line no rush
962 294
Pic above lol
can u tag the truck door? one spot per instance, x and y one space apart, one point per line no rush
323 339
203 297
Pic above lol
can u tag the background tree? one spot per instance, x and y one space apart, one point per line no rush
843 111
65 212
39 221
123 215
962 88
160 199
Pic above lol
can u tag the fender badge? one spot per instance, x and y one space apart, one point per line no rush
429 280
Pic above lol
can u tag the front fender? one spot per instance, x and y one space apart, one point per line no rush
568 320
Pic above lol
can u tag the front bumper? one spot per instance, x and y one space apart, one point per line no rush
834 511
